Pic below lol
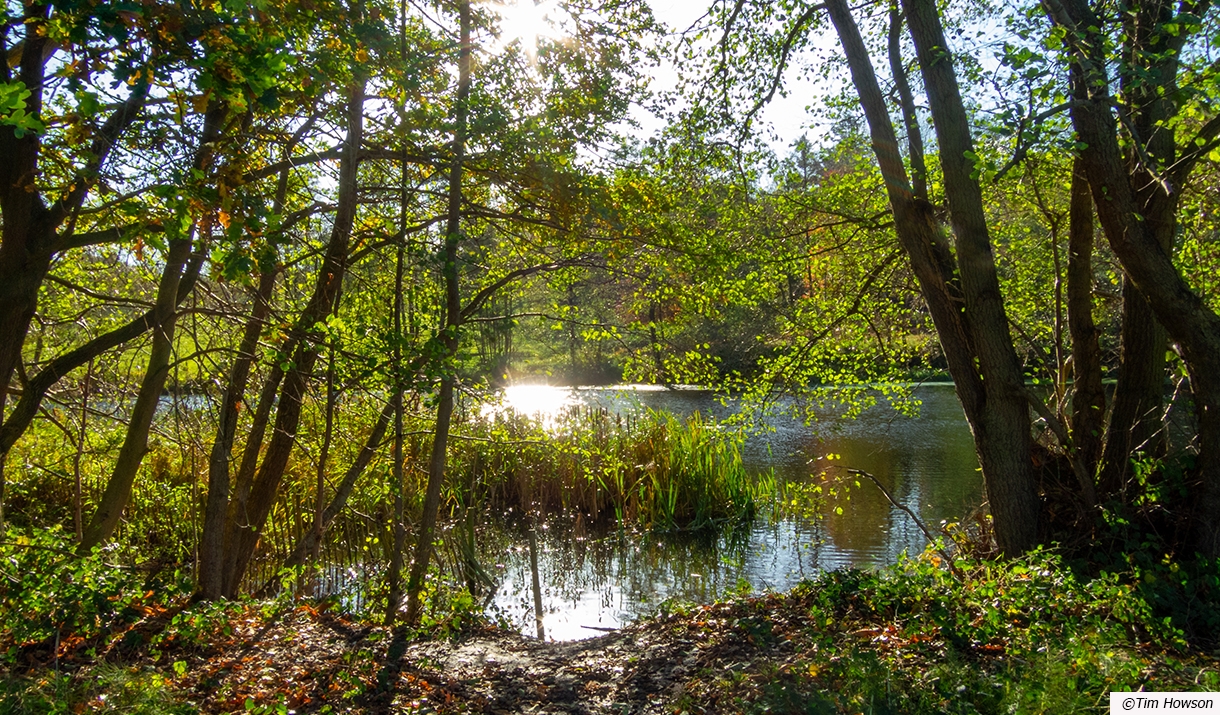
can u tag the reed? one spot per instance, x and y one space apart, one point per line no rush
649 469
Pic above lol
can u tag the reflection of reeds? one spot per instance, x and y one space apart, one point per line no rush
651 469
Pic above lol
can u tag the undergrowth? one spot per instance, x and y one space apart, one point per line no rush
1022 636
1029 635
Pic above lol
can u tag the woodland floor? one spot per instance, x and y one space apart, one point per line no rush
832 648
310 660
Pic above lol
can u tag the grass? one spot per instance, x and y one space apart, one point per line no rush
649 470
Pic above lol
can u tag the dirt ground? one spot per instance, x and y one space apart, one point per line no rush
307 661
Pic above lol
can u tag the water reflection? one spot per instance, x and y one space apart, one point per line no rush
597 581
605 582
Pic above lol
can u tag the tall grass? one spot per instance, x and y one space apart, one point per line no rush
650 469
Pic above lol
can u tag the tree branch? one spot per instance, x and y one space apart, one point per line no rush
1204 142
484 295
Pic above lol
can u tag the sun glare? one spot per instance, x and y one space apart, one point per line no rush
525 22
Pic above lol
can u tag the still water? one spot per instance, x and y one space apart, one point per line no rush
596 581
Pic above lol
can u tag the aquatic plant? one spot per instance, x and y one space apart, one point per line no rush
651 468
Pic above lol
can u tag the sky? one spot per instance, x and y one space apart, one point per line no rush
786 115
784 120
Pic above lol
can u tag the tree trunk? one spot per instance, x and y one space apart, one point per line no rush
248 511
1136 420
30 231
28 227
449 335
212 546
78 523
328 435
135 444
1187 319
906 103
1002 438
211 551
1009 483
1135 416
1088 394
432 499
394 576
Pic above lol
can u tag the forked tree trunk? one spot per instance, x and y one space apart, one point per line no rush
30 232
249 509
1137 417
211 573
1009 483
211 549
1189 321
1002 435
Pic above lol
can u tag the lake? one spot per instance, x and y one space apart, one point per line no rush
592 581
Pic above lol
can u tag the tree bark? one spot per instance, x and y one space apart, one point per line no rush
1188 320
906 103
933 265
1002 436
449 335
135 444
211 550
30 236
1088 394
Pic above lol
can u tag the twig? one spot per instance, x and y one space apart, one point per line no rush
918 522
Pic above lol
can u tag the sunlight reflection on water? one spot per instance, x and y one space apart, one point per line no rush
546 403
608 579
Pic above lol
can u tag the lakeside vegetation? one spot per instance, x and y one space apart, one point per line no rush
263 265
1031 635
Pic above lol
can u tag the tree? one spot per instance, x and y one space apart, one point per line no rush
1136 187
